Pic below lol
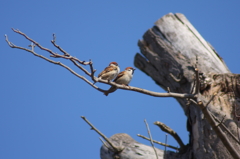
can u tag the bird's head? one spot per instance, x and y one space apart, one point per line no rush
113 64
130 69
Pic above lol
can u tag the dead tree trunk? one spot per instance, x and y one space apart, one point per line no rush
168 55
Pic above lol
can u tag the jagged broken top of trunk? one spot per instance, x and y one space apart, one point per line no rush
169 50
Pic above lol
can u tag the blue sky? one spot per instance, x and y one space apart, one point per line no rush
41 103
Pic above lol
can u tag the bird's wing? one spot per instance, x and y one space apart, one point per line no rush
106 70
119 76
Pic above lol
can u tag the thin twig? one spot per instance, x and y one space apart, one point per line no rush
66 55
150 136
37 44
92 70
157 142
32 46
193 101
104 143
57 46
236 116
168 90
170 131
57 63
197 88
48 50
221 135
225 128
206 106
175 78
238 130
165 149
115 148
221 122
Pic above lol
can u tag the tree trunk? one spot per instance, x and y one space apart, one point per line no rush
169 52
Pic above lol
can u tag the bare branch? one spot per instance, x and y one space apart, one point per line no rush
57 63
66 55
151 93
78 64
116 149
168 130
149 133
37 44
157 142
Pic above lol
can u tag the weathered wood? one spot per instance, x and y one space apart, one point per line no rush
168 56
136 150
133 149
170 48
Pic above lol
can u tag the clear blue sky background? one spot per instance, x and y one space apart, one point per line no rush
41 103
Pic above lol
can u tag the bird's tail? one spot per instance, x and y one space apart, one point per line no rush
111 89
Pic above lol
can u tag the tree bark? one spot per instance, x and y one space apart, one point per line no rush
170 51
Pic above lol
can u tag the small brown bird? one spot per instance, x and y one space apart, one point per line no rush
123 78
110 72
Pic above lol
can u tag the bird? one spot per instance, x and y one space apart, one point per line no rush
110 72
123 78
